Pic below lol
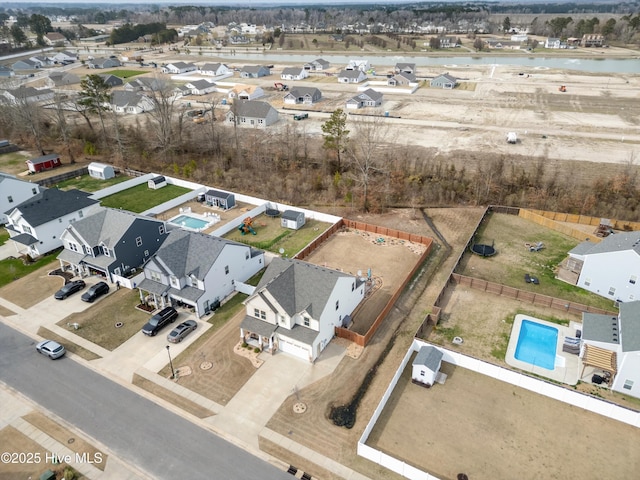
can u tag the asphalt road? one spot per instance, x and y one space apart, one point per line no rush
138 431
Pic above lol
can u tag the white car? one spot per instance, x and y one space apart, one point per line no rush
51 349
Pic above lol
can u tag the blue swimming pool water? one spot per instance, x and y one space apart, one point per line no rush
189 222
537 344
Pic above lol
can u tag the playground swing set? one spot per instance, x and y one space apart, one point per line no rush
246 226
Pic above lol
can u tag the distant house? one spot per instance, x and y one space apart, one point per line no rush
6 72
317 65
252 113
179 67
40 61
358 64
197 270
238 40
45 162
14 191
130 102
445 81
220 199
246 92
292 219
36 224
111 80
201 87
254 71
157 182
552 43
297 306
110 242
448 42
368 98
22 95
302 95
145 84
102 63
592 40
214 69
61 79
351 76
405 68
426 365
101 171
54 38
294 73
401 79
25 64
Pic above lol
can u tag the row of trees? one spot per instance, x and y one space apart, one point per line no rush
357 161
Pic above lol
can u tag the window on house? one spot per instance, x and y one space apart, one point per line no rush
422 373
226 269
105 251
587 282
628 384
612 291
138 241
263 315
631 297
633 279
10 198
256 312
337 304
174 281
26 229
80 214
73 246
282 319
156 277
59 220
161 229
34 190
307 322
146 253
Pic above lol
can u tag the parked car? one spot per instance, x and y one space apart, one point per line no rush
160 320
95 292
69 289
301 116
51 349
181 331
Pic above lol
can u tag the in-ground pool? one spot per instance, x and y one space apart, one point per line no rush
190 223
537 344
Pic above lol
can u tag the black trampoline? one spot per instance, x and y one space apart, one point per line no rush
272 212
483 250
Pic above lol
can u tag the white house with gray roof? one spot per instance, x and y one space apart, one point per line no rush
215 69
317 65
294 73
201 87
303 95
197 270
612 344
445 81
351 76
610 268
368 98
110 242
130 102
36 224
297 306
179 67
14 191
252 113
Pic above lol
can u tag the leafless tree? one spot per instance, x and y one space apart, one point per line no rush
166 117
27 115
60 107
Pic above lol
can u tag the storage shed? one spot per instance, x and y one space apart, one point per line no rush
426 366
220 199
157 182
101 171
45 162
292 219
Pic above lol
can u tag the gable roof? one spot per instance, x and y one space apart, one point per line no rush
447 77
212 66
428 356
252 108
371 95
292 70
350 74
107 226
51 204
630 326
124 99
181 65
299 286
202 84
600 328
408 76
186 253
618 242
43 159
254 68
291 214
218 194
303 91
322 62
402 66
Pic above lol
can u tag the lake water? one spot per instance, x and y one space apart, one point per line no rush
593 65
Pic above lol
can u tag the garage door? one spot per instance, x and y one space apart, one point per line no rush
294 349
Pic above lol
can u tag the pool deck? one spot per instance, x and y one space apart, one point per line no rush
199 209
567 373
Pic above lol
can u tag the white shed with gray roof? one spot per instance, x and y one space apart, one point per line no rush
293 219
426 365
101 171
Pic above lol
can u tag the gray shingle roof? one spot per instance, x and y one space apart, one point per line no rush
350 74
291 214
252 68
299 286
428 356
617 242
122 98
218 194
252 108
600 328
51 204
107 226
202 84
630 326
302 91
292 70
371 95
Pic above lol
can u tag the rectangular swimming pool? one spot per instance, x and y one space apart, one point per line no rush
189 222
537 344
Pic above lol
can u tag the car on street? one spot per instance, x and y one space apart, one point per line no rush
301 116
69 289
51 349
160 320
181 331
95 292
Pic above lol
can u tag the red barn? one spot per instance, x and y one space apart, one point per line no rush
45 162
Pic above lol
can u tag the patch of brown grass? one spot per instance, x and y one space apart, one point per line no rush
33 288
69 345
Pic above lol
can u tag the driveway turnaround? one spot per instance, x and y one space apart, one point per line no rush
138 431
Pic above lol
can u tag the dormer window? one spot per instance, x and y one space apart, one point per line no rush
138 241
105 251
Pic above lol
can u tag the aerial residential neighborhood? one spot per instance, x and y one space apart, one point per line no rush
293 241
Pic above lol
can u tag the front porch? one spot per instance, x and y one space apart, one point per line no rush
258 334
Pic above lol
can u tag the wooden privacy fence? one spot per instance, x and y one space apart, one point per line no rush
362 340
47 182
525 296
319 240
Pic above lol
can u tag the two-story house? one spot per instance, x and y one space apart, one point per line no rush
297 306
14 191
110 242
197 270
36 224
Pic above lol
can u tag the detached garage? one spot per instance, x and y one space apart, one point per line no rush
292 219
46 162
101 171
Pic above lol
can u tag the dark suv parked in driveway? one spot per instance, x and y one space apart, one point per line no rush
160 320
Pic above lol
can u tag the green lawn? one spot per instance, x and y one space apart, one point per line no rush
87 183
13 268
124 74
12 163
4 236
140 198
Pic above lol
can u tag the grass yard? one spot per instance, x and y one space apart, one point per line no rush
140 198
124 74
13 163
14 268
97 324
509 234
273 237
4 236
87 183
